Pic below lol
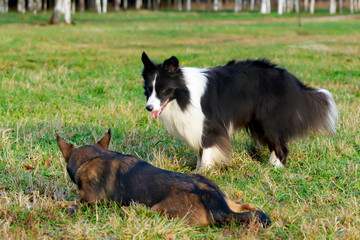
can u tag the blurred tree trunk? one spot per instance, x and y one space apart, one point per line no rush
67 14
98 6
149 4
73 7
352 6
268 4
155 5
21 6
252 4
117 4
138 4
312 6
58 10
306 5
30 5
188 5
237 6
265 6
179 5
45 6
61 7
355 5
289 6
216 5
281 7
4 6
101 6
297 6
125 5
340 6
104 6
208 5
81 5
332 6
37 6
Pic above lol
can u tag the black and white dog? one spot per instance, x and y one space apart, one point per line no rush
202 106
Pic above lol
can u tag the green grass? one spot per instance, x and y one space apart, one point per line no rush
86 78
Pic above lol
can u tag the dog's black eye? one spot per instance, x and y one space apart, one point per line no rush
162 91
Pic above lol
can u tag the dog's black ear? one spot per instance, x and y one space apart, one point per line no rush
148 64
105 141
171 65
66 148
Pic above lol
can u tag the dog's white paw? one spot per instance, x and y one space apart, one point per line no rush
275 161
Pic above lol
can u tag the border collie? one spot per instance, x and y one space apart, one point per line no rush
202 106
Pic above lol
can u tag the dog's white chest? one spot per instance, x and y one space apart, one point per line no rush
186 126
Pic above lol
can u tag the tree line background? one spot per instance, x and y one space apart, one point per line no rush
101 6
68 7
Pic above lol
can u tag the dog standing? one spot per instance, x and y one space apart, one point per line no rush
103 174
203 106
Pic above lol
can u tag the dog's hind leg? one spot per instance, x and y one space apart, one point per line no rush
224 215
222 212
278 155
275 161
272 137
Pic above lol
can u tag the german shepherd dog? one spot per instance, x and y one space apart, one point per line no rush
103 174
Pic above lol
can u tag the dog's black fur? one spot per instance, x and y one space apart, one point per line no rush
103 174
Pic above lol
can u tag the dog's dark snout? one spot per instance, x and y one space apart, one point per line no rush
149 107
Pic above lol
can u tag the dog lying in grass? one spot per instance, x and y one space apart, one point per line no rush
103 174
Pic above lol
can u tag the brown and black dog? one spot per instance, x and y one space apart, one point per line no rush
103 174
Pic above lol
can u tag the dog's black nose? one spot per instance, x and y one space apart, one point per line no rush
149 107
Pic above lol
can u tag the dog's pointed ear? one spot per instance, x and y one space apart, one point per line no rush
66 148
105 141
171 65
148 64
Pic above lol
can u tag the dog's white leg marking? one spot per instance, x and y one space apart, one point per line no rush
275 161
207 160
211 156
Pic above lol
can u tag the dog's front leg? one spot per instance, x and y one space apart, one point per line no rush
210 157
198 163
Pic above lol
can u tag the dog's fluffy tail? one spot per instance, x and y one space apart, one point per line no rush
329 121
319 110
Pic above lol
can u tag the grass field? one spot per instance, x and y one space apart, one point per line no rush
80 80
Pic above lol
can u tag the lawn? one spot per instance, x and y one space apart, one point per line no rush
83 79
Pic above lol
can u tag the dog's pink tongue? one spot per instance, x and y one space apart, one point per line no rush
155 114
